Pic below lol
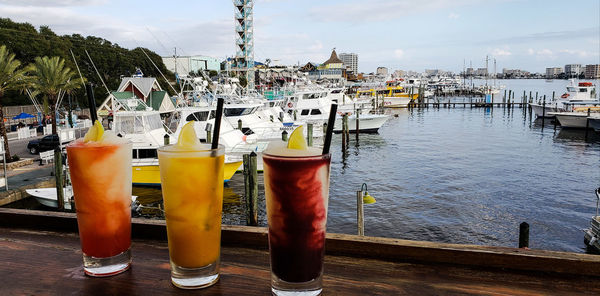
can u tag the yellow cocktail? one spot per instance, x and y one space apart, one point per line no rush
192 186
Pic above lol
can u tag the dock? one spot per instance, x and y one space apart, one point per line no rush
41 255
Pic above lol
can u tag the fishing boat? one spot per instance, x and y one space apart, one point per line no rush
578 118
368 123
578 95
592 235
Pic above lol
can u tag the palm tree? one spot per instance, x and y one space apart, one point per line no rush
11 78
52 78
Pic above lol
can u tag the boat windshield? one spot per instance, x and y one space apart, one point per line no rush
199 116
135 124
238 111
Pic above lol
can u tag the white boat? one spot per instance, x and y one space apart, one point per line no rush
396 102
368 123
595 122
47 196
578 95
571 119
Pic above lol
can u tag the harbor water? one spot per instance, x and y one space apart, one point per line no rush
456 175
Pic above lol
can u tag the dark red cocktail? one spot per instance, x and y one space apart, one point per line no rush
297 191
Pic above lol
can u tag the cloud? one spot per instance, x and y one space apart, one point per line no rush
52 3
501 52
399 53
453 16
378 10
577 52
591 32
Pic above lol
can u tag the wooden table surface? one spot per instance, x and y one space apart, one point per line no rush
37 262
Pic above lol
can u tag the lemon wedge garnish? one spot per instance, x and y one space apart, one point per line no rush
297 140
95 133
187 136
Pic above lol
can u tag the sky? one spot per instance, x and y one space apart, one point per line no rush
398 34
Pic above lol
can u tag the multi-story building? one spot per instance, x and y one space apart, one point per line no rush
553 72
573 70
592 71
481 72
399 73
382 71
350 60
187 64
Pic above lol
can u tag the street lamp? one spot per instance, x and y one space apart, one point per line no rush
362 197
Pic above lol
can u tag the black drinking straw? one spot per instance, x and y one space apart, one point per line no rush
330 123
91 102
219 115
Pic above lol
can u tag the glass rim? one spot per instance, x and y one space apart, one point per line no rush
79 143
219 148
297 157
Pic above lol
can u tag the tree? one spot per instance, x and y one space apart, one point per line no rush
52 78
11 78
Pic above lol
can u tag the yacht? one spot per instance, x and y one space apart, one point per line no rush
577 95
578 118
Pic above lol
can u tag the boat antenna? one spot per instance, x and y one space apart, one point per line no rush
98 73
77 66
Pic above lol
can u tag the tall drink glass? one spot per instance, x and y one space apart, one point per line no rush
101 177
297 192
192 188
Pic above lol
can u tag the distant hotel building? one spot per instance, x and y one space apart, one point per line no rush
187 64
553 72
350 60
592 71
382 71
573 70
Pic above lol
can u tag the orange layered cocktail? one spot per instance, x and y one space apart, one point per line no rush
192 185
100 167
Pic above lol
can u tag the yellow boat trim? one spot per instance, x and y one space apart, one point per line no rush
150 174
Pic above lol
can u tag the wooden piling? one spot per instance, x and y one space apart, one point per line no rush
587 124
309 134
360 220
347 131
357 123
251 188
543 111
58 173
344 133
524 235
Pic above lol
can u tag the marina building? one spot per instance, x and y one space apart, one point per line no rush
572 70
332 69
382 71
187 64
553 72
592 71
350 60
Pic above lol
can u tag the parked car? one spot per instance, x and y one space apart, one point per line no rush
44 144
